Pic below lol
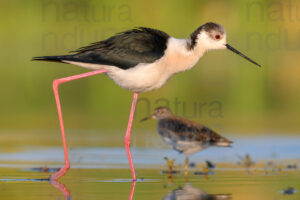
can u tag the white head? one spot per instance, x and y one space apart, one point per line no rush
212 36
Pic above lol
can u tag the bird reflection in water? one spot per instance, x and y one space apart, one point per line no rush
62 187
67 194
132 190
189 192
64 190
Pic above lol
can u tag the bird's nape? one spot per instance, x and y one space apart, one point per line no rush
240 54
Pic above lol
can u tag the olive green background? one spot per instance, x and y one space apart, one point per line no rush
223 90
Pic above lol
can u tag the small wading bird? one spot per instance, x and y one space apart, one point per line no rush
185 136
139 60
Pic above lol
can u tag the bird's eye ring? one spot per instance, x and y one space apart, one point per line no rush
217 37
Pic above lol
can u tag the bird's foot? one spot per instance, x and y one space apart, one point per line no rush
170 164
60 173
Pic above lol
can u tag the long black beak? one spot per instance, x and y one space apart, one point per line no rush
146 118
239 53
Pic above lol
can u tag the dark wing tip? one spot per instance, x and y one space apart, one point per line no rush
47 58
36 58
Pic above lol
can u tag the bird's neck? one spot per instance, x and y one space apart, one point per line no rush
198 46
182 57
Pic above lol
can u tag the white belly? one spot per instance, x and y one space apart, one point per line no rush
142 78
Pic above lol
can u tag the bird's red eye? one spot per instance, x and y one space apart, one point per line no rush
217 37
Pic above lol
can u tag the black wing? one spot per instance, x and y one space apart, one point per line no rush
124 50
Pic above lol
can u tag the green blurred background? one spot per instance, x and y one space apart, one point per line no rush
223 90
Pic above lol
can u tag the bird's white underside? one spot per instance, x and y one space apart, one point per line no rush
191 147
149 76
186 147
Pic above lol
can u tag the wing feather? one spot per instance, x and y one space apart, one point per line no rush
124 50
185 130
127 49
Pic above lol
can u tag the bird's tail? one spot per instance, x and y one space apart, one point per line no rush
223 142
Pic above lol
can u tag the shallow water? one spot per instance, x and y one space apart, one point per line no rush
102 172
261 149
115 184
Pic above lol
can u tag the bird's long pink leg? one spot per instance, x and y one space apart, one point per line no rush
56 83
128 132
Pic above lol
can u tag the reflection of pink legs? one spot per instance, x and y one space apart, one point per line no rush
128 132
62 188
132 190
56 83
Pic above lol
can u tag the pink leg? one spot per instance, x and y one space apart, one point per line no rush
56 83
128 132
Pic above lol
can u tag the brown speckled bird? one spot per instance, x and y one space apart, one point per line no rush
185 136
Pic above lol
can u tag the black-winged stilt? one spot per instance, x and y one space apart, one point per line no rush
139 60
185 136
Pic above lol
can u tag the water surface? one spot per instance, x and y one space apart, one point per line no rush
115 184
102 172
